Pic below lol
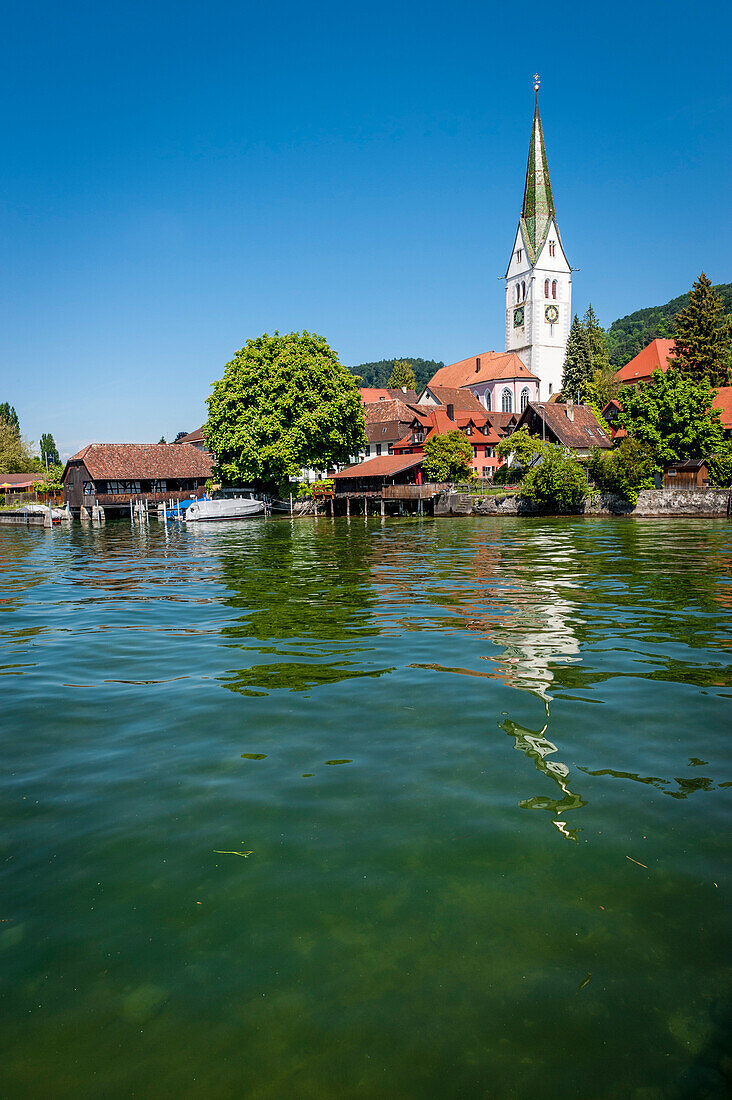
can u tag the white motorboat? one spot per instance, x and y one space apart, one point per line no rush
229 508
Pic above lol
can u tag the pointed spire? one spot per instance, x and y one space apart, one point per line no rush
538 205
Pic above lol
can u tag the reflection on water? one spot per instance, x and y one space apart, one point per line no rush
339 705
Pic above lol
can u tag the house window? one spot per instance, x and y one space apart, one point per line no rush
475 452
418 437
506 402
524 398
469 429
378 448
554 288
546 288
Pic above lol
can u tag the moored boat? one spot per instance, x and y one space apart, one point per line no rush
228 508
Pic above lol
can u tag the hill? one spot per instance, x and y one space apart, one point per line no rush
377 374
629 335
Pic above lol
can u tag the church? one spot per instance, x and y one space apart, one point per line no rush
538 309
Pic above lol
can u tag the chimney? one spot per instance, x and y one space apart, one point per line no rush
404 389
477 365
570 409
451 412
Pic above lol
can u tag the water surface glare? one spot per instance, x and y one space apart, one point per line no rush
330 809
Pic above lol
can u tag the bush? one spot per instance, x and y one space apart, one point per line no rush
625 470
557 483
508 475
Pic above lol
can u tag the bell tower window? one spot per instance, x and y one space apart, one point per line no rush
546 288
552 245
554 288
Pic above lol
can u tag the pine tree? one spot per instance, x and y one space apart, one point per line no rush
49 452
702 338
577 362
598 342
402 376
9 416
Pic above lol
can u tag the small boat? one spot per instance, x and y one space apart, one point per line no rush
226 508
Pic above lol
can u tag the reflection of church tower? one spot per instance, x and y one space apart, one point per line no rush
539 279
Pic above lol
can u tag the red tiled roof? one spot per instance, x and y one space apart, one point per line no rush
653 357
374 394
462 399
378 411
580 433
381 466
19 481
192 437
144 460
723 402
493 364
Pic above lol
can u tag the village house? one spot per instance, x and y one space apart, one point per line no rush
574 426
438 421
113 474
638 371
500 381
20 483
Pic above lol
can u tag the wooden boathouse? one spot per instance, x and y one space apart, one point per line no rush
114 474
387 483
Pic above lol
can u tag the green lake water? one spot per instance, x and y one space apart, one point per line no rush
324 809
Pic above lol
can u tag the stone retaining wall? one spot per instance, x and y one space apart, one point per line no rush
651 502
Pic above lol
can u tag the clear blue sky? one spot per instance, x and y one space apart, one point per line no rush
178 177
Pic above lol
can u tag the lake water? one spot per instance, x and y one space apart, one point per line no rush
324 809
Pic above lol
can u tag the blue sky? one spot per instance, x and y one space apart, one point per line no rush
179 177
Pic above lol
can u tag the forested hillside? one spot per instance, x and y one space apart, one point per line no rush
378 374
629 335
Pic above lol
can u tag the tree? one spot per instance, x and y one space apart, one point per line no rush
179 436
49 453
625 470
521 445
15 454
162 440
284 403
702 336
557 483
52 482
8 415
599 356
577 361
673 416
447 457
402 376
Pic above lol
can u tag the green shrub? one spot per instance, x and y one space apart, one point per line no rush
625 470
720 471
557 483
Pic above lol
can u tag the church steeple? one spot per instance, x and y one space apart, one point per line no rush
538 277
538 208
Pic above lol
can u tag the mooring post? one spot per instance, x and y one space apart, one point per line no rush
291 508
383 508
132 512
48 518
348 507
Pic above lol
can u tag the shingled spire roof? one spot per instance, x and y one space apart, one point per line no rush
538 206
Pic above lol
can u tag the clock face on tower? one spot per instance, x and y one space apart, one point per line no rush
518 316
552 314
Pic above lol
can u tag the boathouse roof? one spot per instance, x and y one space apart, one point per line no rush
381 466
144 460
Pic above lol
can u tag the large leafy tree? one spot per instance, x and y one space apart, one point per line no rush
15 454
577 361
625 470
702 336
673 416
8 415
49 452
402 376
284 403
447 457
